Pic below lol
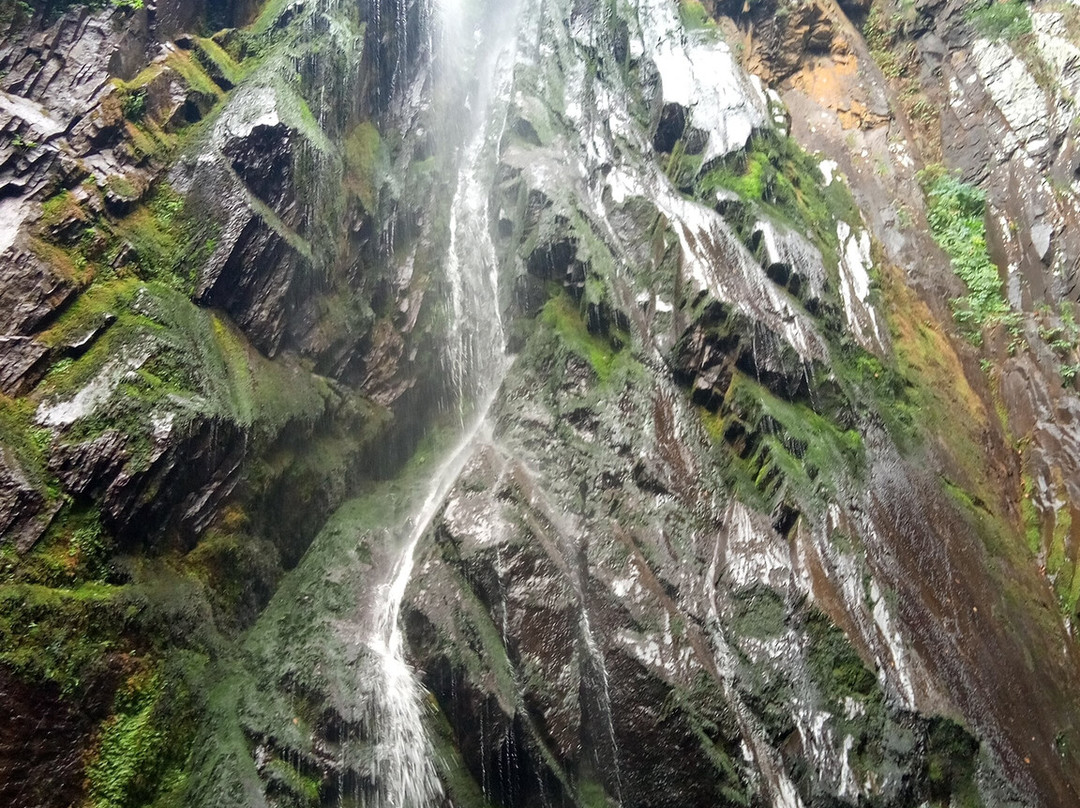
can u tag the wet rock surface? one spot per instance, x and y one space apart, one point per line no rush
754 524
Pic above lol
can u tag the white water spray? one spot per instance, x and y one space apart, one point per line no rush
403 761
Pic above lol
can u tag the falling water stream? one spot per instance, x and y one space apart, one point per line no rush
403 756
403 762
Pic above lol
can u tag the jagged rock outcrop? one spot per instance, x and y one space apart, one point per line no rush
777 505
192 299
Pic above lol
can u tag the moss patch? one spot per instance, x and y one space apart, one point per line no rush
774 173
1000 19
603 352
367 160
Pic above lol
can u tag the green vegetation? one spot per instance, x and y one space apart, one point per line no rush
124 771
366 163
603 352
759 613
835 666
169 239
184 360
890 34
164 239
695 16
1000 19
1061 333
58 635
851 693
21 436
952 759
682 168
776 451
774 173
133 104
462 788
217 62
957 217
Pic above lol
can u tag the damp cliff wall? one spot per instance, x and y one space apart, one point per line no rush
777 505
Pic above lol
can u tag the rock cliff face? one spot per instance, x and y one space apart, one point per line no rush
774 501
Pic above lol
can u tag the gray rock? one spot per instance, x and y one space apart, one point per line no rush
21 365
1041 234
25 513
31 292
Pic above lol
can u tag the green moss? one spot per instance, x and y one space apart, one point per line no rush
25 440
947 411
776 175
283 775
951 763
133 104
129 745
462 789
879 388
211 55
59 209
1000 19
171 240
783 449
490 653
239 572
694 15
1055 561
61 636
143 747
163 240
189 69
682 168
1030 515
366 162
835 665
194 363
759 613
591 793
603 353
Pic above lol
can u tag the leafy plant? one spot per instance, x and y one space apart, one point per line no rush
957 218
133 105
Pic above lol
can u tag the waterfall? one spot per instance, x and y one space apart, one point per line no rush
403 762
476 330
596 656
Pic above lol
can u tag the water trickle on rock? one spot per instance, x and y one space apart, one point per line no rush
402 758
